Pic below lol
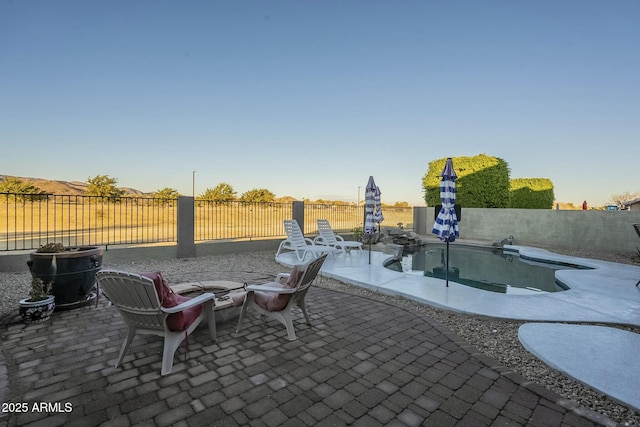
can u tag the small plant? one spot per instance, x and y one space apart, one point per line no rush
39 290
51 248
357 233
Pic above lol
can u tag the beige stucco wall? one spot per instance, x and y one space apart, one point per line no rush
599 230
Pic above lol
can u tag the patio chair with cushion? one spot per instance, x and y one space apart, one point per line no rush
302 246
149 306
329 238
276 299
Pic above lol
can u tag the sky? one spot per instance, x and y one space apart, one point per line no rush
309 98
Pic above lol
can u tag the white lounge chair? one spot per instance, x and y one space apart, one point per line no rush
148 306
276 299
329 238
301 245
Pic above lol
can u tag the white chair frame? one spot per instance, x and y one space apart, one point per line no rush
299 244
298 294
136 299
329 238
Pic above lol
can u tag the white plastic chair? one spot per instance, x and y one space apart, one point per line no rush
136 299
261 298
299 244
329 238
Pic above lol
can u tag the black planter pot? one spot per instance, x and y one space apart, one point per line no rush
72 273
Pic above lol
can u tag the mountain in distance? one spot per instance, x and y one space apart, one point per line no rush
77 188
73 188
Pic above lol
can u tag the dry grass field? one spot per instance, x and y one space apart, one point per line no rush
75 221
27 225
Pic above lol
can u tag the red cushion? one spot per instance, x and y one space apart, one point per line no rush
238 298
176 322
294 277
272 301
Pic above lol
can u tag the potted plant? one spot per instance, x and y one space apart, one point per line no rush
360 236
40 304
70 270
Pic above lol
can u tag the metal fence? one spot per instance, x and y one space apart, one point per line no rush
344 218
238 220
242 220
29 221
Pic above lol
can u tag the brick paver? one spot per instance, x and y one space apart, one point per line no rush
363 362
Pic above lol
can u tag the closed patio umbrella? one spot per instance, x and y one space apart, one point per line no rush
377 212
372 210
446 223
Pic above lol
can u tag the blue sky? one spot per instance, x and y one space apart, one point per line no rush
309 98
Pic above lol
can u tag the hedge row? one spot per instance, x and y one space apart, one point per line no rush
483 182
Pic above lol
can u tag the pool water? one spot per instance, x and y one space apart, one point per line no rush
489 269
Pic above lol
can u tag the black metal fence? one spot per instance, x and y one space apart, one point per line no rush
29 221
238 220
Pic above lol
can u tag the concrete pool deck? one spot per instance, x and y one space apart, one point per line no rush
606 293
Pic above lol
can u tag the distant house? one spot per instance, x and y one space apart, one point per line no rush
632 205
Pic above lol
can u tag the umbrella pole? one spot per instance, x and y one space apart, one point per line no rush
369 249
446 274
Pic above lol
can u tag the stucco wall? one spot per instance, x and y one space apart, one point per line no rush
599 230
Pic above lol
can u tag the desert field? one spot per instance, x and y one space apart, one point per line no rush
77 221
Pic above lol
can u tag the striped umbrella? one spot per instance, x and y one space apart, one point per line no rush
446 224
377 213
372 210
370 207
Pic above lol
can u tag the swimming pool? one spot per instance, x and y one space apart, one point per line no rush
488 269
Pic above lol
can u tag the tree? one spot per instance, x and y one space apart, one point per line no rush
23 190
166 196
620 199
258 195
222 192
103 186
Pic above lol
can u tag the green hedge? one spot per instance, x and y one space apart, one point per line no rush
483 182
532 193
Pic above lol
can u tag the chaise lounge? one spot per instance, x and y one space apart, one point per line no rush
329 238
301 245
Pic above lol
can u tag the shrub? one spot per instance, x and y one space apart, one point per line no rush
532 193
483 182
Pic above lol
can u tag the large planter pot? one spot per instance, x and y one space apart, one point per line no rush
36 311
72 273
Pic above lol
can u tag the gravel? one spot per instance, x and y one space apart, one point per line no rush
495 337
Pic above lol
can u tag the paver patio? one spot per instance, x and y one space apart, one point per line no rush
363 362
